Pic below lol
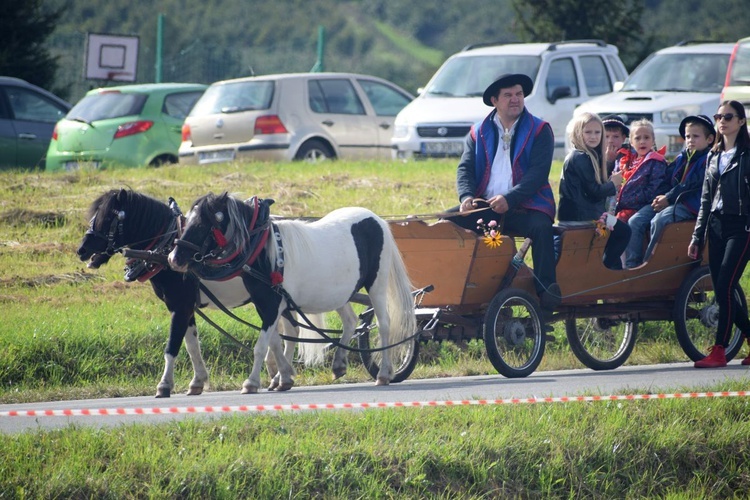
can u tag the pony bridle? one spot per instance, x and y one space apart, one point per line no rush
115 228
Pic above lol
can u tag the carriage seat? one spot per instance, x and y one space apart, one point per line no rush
562 226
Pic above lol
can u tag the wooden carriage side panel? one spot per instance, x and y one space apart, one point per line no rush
488 268
439 254
584 279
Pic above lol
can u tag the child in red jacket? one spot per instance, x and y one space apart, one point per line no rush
643 171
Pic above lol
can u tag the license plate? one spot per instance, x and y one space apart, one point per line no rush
216 156
71 166
443 148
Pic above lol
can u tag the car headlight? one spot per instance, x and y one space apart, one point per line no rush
676 115
400 131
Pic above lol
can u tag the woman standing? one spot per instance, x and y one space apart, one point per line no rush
584 187
724 218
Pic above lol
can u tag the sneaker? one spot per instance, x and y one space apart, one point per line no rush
715 359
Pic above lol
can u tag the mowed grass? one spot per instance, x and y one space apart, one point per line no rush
69 332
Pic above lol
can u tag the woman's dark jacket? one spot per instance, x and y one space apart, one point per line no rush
581 197
734 186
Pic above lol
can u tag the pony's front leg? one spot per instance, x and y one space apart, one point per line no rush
349 324
182 324
268 336
289 346
200 373
284 379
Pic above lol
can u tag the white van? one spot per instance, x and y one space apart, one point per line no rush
670 84
565 74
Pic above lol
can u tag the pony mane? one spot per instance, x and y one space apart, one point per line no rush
143 214
294 237
235 212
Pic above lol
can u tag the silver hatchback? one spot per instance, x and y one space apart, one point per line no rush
299 116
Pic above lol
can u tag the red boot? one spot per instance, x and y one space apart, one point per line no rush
746 361
715 359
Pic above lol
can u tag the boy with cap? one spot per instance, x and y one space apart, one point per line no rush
615 134
687 172
505 167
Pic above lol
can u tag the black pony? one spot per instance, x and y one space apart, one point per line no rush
126 219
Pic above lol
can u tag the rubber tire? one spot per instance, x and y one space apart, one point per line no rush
589 359
695 353
370 360
515 298
314 151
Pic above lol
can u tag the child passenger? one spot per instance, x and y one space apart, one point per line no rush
686 179
584 187
643 171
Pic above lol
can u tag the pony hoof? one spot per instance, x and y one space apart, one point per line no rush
250 389
274 385
286 386
337 374
163 393
382 381
194 391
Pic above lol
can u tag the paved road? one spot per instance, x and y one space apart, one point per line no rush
678 377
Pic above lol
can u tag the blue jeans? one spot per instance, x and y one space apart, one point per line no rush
639 224
673 213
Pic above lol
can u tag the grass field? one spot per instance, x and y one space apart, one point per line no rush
68 332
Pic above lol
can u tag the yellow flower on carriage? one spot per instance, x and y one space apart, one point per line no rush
492 237
601 229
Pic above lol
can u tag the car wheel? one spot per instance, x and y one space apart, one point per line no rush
162 160
314 151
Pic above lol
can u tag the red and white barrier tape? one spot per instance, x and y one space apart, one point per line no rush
356 406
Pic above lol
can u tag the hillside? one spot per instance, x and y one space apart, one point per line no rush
396 39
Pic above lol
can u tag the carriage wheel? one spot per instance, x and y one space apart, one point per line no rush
601 343
513 333
403 356
696 316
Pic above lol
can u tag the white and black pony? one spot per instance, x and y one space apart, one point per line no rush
121 219
291 264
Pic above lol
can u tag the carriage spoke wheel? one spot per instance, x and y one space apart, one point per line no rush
601 343
403 356
696 316
513 333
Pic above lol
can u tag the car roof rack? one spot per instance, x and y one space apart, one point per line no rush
693 42
595 41
552 45
485 44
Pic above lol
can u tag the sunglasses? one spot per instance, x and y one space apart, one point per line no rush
727 117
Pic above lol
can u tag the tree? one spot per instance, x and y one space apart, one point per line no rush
618 23
24 27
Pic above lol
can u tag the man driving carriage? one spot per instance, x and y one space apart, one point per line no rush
505 169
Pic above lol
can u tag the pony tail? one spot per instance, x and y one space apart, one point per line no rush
400 302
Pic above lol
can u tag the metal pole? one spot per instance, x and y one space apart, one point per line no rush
319 65
159 37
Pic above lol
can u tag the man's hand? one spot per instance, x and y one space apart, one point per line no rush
467 204
499 204
660 203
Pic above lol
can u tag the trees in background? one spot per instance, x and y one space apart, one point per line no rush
24 28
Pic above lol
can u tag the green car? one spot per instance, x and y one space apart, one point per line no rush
129 125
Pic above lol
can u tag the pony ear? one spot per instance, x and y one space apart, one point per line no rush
122 196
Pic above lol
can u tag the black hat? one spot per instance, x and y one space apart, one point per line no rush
507 81
616 121
703 119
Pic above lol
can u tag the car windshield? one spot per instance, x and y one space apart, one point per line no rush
235 97
684 72
105 105
470 76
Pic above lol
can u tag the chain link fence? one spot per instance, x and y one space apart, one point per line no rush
197 63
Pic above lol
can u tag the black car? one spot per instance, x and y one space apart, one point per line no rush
28 115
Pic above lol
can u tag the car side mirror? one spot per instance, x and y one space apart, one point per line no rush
559 93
